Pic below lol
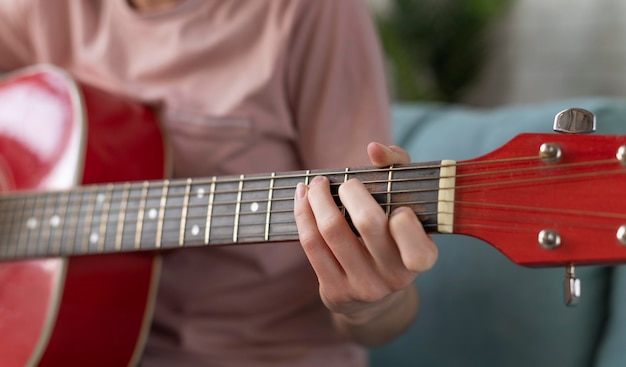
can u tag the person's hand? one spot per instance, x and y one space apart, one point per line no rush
361 279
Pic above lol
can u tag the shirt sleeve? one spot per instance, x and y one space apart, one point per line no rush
336 84
15 48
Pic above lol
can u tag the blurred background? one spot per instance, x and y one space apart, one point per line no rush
466 76
503 52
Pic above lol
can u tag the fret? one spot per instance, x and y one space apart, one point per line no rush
270 193
43 234
4 238
70 219
195 201
9 213
51 220
29 223
375 180
131 229
282 221
60 218
15 226
152 215
111 217
161 215
6 216
39 224
209 214
172 216
223 210
418 189
82 222
335 178
91 234
237 210
86 200
345 179
389 187
121 217
183 213
104 203
255 209
107 223
141 210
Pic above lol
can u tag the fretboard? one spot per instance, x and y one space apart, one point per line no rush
167 214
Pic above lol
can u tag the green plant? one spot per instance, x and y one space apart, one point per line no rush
436 48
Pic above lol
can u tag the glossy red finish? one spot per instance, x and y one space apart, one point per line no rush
507 201
27 293
102 311
30 103
103 298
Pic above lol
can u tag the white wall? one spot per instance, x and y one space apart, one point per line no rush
556 49
553 49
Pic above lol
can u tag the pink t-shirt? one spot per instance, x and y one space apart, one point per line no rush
242 86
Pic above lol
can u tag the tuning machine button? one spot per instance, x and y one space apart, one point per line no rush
575 121
621 154
621 234
549 239
550 152
571 286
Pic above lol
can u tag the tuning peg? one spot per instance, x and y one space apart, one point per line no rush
572 286
574 121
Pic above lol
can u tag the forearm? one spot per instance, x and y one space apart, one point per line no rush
377 326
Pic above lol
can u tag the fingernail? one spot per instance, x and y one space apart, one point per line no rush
384 147
300 190
316 179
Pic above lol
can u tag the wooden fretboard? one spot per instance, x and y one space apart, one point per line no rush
154 215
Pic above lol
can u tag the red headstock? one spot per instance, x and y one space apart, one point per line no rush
545 211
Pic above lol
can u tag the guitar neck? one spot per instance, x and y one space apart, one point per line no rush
167 214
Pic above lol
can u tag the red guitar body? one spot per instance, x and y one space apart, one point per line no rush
90 310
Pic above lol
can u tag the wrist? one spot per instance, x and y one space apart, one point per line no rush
378 323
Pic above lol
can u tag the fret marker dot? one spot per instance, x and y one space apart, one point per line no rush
55 220
152 213
100 198
31 223
254 207
200 193
195 230
93 238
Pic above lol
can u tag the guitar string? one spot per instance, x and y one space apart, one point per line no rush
533 180
405 191
197 182
171 196
288 175
157 185
487 173
243 238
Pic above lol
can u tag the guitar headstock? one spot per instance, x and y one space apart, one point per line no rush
547 199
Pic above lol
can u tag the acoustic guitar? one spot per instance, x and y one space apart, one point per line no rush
85 211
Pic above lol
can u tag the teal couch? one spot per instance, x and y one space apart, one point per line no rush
478 309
